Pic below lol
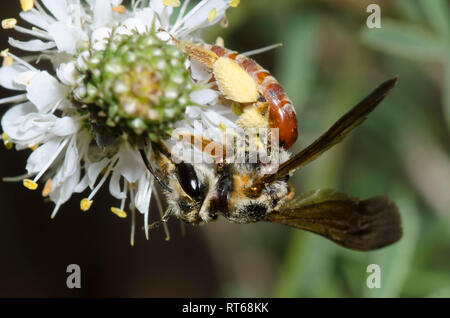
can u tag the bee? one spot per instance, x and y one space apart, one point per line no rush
241 193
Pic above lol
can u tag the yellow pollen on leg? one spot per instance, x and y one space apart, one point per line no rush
234 3
9 23
172 3
30 184
85 204
119 9
212 14
252 117
120 213
27 4
234 82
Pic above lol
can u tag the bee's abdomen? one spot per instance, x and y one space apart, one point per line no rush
281 111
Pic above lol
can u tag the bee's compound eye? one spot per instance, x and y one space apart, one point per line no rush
188 180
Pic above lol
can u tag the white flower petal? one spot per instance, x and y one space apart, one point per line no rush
143 193
215 116
204 96
8 75
23 79
25 126
163 12
121 31
193 112
64 126
70 164
67 38
67 73
58 8
199 72
32 45
133 24
35 17
198 16
61 192
81 60
94 170
103 13
163 36
114 186
82 185
100 37
40 157
54 91
147 16
130 164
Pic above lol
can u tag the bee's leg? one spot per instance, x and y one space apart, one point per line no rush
152 171
201 55
161 213
254 116
162 221
162 149
209 147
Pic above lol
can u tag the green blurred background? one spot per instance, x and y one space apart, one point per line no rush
329 60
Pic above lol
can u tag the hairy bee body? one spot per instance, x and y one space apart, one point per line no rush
197 193
222 190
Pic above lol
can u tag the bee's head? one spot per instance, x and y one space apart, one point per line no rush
201 192
191 187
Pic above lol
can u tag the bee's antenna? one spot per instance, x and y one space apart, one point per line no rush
262 50
149 167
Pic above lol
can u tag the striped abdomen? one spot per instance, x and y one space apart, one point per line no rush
281 111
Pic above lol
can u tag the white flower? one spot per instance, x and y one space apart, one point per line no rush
65 154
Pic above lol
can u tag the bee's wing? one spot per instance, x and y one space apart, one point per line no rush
356 224
334 135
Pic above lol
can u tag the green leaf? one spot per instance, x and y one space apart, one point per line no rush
405 40
425 281
441 293
446 89
408 8
436 12
308 266
297 58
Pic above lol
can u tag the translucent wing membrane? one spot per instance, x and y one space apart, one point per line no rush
334 135
356 224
